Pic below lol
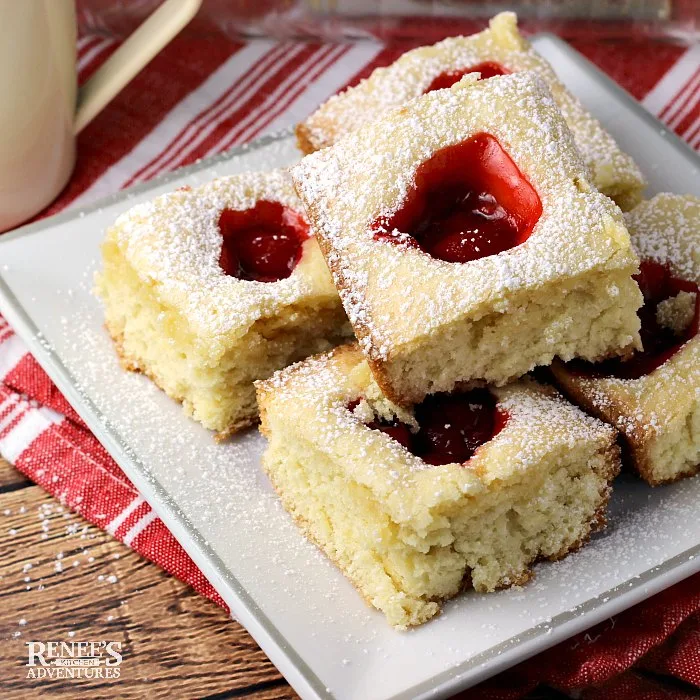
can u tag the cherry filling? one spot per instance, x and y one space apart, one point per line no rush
467 201
488 69
660 343
263 243
451 426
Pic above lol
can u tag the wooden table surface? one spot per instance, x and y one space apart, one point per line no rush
62 579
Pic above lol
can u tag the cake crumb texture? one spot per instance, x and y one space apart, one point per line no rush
410 535
659 413
199 334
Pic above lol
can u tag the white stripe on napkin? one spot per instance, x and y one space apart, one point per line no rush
170 126
139 527
34 422
675 78
113 525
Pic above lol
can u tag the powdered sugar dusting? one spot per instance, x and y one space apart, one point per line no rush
613 171
173 243
666 229
324 386
392 293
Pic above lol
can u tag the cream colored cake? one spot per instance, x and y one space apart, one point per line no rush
426 324
410 535
613 172
204 336
658 413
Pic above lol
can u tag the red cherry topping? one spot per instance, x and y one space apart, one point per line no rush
396 430
451 426
263 243
488 69
467 201
660 344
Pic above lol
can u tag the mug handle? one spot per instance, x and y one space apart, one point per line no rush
143 44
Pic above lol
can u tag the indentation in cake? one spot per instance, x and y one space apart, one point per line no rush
446 428
263 243
467 201
486 69
670 317
614 173
658 413
410 535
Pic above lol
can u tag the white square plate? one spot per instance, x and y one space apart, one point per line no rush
219 505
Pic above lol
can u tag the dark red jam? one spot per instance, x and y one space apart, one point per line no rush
467 201
488 69
263 243
451 426
660 344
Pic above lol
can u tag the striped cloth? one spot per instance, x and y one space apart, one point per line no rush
200 96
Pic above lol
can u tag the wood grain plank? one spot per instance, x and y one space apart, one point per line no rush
10 478
63 580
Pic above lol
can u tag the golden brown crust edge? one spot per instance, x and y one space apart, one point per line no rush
637 440
381 376
360 329
304 142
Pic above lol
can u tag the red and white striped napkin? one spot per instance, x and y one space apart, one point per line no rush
200 96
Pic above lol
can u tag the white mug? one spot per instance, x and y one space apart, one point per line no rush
41 107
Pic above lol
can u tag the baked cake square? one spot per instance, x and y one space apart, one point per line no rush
208 289
653 397
464 490
466 241
498 50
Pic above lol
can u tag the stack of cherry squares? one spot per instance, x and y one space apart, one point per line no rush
456 224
